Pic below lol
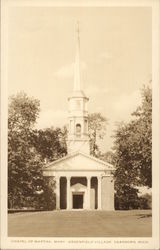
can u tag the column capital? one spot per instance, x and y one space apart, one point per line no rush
68 178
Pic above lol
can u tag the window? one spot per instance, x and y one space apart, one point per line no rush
86 126
78 129
78 104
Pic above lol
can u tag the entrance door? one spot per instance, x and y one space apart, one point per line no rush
77 201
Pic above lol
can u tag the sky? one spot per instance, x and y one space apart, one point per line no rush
115 53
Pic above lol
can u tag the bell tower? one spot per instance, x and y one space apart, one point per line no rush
78 138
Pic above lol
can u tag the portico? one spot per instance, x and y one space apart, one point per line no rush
78 189
84 176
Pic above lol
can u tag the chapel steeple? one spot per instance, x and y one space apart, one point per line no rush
78 139
77 81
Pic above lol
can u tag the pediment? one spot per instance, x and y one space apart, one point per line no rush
78 186
78 162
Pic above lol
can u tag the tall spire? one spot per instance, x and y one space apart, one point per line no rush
77 82
78 138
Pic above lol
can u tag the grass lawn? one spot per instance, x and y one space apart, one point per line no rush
133 223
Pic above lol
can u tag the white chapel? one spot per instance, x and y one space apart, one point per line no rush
82 181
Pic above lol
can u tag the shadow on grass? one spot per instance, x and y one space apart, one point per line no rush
141 216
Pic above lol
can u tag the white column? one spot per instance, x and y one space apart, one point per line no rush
99 192
57 193
89 192
68 192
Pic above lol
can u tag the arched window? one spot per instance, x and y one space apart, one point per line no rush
86 126
78 129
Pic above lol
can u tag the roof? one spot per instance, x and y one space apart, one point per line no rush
78 161
78 93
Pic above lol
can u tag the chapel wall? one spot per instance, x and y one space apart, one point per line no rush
107 193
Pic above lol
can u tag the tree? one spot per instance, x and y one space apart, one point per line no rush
126 198
46 198
108 157
24 168
22 112
97 128
50 143
145 201
143 127
133 148
28 148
